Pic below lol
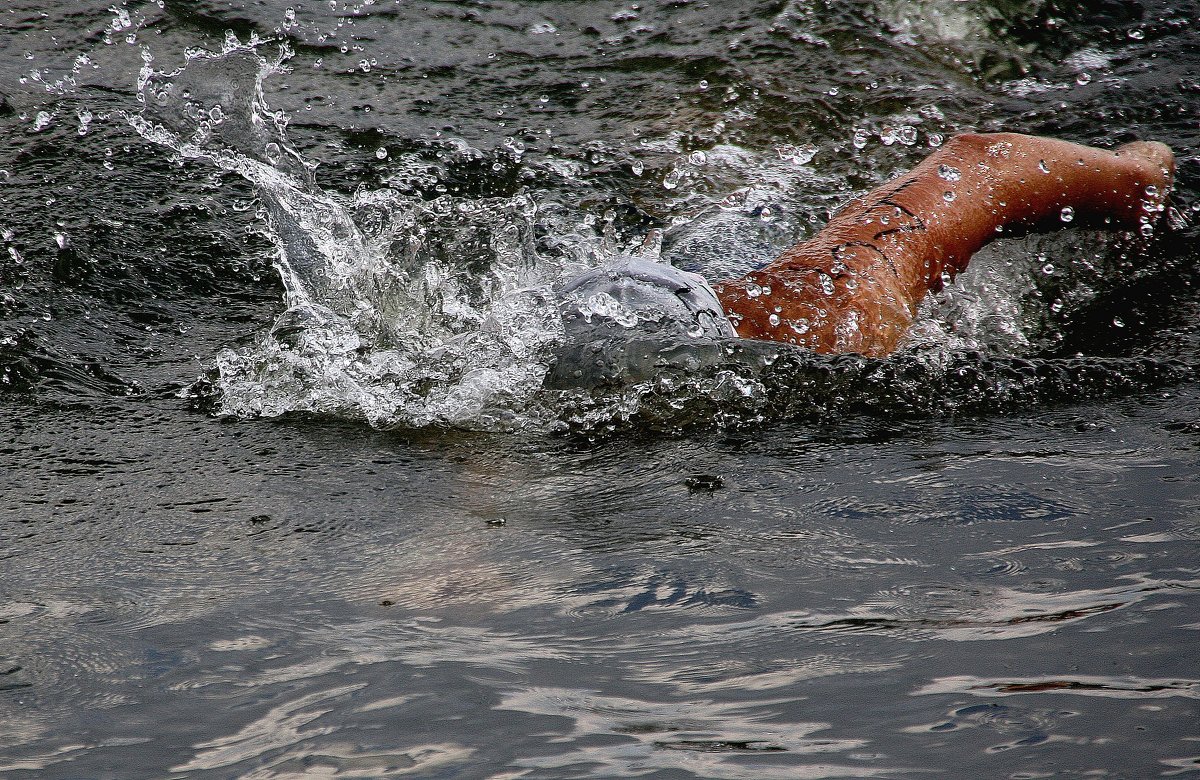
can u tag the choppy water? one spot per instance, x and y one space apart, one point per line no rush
978 558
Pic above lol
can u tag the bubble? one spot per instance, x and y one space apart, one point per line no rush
936 139
800 155
861 136
1118 322
1048 269
544 28
753 290
698 158
949 196
1151 190
1067 214
85 120
671 180
638 167
703 85
1147 230
905 135
949 172
1136 34
774 320
1083 79
381 153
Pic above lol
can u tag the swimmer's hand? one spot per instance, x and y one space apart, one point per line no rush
855 286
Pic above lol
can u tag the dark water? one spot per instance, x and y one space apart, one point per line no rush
977 559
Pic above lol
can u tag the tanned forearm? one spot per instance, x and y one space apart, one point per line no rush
856 285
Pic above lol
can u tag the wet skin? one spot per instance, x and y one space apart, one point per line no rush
856 285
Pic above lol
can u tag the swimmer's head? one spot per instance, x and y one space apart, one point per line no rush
623 321
634 298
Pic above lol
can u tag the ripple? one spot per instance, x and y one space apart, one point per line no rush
702 737
1127 687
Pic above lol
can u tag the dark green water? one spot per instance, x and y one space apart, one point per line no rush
978 559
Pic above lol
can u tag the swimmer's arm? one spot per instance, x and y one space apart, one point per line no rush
855 286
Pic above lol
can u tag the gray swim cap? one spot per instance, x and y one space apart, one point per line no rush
631 318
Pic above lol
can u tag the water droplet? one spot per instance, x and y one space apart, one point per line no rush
949 172
774 320
1118 322
381 153
860 138
543 28
753 290
697 158
1151 190
833 91
671 180
1147 230
936 139
1067 214
1043 166
1083 79
638 167
703 85
1048 269
1137 34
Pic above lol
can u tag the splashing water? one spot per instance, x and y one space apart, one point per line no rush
400 312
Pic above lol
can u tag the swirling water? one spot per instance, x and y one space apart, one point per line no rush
978 558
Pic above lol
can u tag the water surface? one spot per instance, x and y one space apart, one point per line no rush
977 559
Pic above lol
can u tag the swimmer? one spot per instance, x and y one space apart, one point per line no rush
856 285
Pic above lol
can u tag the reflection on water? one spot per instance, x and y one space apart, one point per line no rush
977 560
382 623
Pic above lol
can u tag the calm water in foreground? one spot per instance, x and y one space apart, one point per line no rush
978 559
